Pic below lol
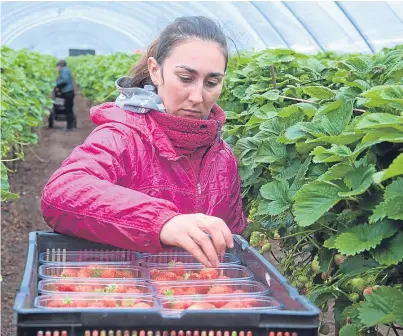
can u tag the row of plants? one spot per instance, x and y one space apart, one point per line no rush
319 142
96 75
27 79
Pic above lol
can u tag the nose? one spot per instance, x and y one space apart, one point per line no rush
196 94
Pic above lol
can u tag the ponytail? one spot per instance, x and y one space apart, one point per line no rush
139 73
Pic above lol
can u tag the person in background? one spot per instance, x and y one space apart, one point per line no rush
156 173
64 84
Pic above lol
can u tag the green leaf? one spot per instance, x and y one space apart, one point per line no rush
357 264
335 172
330 243
276 190
321 295
341 139
336 153
319 92
313 200
395 168
364 237
393 204
348 330
390 252
380 120
385 305
359 178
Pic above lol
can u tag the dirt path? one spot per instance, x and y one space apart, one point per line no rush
23 215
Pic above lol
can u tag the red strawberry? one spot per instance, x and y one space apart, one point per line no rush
84 273
180 305
177 267
65 286
192 276
368 290
189 291
209 273
69 273
166 276
219 290
224 277
55 303
233 305
95 271
154 273
142 305
124 274
82 303
68 302
202 305
84 288
108 273
109 303
239 291
96 304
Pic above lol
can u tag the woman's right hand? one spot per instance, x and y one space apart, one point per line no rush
190 232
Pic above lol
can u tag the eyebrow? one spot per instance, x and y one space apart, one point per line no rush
211 74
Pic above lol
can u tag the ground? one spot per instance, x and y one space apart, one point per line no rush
23 215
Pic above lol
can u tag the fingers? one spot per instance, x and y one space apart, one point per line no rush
206 245
219 231
189 245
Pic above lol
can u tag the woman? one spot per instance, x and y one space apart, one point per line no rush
156 172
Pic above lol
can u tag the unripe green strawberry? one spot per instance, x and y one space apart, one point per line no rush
252 211
300 285
358 284
315 265
266 247
338 259
354 297
303 279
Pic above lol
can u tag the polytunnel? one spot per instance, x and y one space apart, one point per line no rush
111 26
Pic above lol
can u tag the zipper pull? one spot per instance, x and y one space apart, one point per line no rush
199 188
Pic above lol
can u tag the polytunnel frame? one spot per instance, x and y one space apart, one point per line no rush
236 14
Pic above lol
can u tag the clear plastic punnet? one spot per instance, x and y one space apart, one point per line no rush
199 273
210 288
234 302
88 256
94 286
178 258
88 271
94 301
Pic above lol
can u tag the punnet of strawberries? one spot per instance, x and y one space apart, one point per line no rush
219 302
91 301
211 288
94 286
181 272
92 271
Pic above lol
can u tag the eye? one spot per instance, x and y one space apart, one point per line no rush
185 79
211 83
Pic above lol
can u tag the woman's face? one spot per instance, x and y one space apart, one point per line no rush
190 79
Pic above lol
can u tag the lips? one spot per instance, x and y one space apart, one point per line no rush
193 114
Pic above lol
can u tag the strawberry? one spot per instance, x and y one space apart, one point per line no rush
224 277
358 284
81 304
177 267
68 273
192 276
96 304
55 304
154 273
142 305
209 273
128 303
233 305
84 288
109 303
338 259
179 305
68 302
124 274
84 273
189 291
202 305
108 273
368 290
95 271
219 290
64 286
166 276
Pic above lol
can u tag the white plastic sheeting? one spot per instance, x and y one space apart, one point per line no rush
111 26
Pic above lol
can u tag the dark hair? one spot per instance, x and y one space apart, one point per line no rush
62 63
180 30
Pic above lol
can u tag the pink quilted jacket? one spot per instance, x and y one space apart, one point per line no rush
122 184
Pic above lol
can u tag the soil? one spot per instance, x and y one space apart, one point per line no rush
23 215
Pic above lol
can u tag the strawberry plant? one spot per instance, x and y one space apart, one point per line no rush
27 79
319 142
96 75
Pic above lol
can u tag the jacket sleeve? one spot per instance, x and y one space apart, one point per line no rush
83 198
237 220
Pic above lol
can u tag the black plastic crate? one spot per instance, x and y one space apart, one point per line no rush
298 317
